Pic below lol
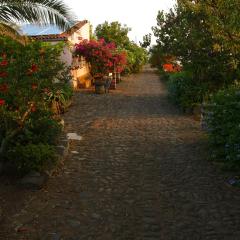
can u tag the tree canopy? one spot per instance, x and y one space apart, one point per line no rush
113 32
204 36
117 33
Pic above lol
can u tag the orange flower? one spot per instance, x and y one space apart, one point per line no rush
168 67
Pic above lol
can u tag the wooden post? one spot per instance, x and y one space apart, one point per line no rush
118 77
113 83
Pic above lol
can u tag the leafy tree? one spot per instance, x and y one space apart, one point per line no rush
137 58
222 19
33 11
113 32
146 40
191 32
92 34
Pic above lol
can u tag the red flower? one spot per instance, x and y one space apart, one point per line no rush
34 68
3 55
3 74
3 87
110 64
2 102
4 63
33 107
34 86
46 90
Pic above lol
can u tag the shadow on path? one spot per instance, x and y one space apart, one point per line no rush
139 173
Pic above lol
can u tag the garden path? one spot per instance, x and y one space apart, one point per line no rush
139 173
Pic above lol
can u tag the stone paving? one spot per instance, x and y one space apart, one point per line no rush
139 172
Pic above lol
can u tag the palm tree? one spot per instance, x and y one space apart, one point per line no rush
40 12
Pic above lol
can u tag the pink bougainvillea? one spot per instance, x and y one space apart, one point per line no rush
103 57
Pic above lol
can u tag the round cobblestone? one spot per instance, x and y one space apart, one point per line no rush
140 174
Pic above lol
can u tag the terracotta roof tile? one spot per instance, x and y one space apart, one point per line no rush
62 36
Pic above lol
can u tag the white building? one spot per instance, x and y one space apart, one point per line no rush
77 33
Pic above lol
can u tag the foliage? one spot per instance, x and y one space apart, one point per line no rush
116 33
113 32
184 92
27 75
204 36
59 98
34 11
32 157
156 58
224 126
92 34
136 58
103 57
195 33
146 41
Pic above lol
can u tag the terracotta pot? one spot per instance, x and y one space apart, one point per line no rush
99 88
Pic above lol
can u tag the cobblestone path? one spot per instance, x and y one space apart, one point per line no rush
139 173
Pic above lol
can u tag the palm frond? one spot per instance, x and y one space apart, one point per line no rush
42 12
11 30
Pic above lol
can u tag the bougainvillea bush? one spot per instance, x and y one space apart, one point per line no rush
27 77
103 57
223 122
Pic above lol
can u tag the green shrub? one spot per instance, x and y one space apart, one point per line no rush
164 75
41 129
224 126
27 75
136 58
37 157
184 91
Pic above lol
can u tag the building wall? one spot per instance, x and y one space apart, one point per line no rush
66 56
80 69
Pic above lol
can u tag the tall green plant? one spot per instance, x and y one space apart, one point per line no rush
27 74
